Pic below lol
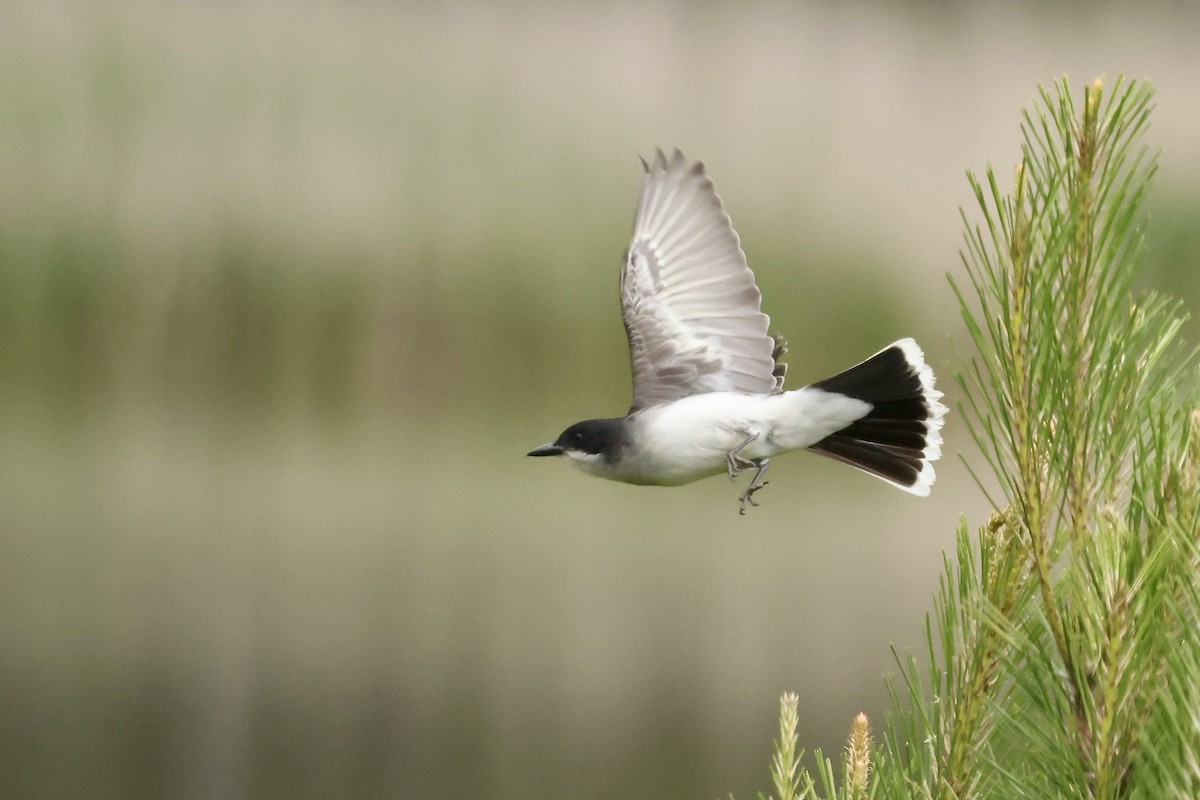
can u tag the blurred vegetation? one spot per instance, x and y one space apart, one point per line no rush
287 289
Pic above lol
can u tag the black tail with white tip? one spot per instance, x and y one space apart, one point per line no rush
901 436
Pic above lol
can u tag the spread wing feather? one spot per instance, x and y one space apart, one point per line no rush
691 307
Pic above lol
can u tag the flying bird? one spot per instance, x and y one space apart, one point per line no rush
708 394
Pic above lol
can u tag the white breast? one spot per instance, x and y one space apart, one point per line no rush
689 439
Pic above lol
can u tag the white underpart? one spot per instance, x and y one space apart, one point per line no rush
689 439
588 462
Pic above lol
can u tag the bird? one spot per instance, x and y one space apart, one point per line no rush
708 378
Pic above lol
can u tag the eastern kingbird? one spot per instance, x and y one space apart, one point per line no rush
707 377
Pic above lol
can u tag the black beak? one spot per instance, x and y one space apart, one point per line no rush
546 450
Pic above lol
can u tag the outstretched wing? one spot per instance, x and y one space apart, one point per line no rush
691 307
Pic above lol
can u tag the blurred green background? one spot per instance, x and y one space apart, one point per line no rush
287 290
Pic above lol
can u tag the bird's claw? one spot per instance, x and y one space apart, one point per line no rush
734 464
756 483
748 497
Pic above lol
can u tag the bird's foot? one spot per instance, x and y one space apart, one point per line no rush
734 463
747 498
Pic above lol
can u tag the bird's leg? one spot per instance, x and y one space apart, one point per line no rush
734 463
755 485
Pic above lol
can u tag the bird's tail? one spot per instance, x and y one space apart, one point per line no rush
901 436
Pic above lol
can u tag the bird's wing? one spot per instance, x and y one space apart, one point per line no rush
689 300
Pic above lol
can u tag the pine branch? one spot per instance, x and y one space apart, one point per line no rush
1072 400
1062 657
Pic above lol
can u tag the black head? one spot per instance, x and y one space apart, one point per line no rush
601 437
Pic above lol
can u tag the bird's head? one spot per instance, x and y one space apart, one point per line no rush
587 443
